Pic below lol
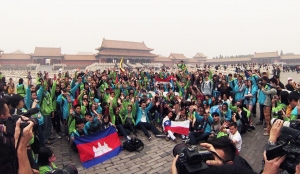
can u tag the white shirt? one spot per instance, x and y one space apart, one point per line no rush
237 137
143 119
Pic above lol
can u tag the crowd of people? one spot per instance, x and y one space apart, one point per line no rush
85 102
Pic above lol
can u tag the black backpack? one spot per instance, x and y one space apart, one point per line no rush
133 145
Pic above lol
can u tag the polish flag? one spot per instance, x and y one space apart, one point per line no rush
180 127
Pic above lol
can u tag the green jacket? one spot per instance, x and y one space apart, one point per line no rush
45 169
21 90
46 103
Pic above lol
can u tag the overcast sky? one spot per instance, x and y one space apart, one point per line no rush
227 27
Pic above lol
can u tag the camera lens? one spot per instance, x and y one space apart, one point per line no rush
178 149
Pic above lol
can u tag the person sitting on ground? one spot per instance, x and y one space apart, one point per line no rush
92 126
77 133
233 133
165 122
142 120
202 127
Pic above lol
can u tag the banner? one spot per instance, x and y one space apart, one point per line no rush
180 127
165 80
121 65
96 148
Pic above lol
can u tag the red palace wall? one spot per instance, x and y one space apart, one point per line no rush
79 62
14 62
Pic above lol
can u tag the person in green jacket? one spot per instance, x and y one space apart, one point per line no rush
21 88
46 160
280 104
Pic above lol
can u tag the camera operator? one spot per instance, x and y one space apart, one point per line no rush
294 100
273 165
21 142
225 158
279 105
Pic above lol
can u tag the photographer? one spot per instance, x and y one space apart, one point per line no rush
294 100
225 159
273 165
279 105
21 142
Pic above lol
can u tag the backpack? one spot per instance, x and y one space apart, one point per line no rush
133 145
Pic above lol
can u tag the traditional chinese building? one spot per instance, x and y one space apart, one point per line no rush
200 58
266 57
46 55
132 52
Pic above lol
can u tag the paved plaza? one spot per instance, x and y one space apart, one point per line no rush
157 155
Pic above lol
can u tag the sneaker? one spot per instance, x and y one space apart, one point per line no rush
187 141
252 127
265 129
266 134
59 137
167 138
175 140
149 137
259 123
128 138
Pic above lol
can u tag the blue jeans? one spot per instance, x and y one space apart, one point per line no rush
198 136
47 127
122 130
261 109
41 135
157 116
239 125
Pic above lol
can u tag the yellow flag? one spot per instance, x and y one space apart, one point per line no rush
121 66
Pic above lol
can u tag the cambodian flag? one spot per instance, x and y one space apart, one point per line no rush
96 148
180 127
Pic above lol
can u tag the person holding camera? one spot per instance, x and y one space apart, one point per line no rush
273 165
10 150
294 100
265 98
224 159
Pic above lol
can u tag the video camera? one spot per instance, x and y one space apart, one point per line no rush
191 160
288 144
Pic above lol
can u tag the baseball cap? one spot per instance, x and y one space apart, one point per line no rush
290 78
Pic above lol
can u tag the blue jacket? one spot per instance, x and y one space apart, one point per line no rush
208 122
262 96
239 91
139 112
253 78
64 106
253 92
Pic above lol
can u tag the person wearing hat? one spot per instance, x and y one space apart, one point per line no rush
290 85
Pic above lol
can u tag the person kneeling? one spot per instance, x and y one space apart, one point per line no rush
77 133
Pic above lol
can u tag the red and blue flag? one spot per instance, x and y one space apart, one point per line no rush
96 148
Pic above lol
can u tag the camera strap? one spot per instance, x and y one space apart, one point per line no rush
19 138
